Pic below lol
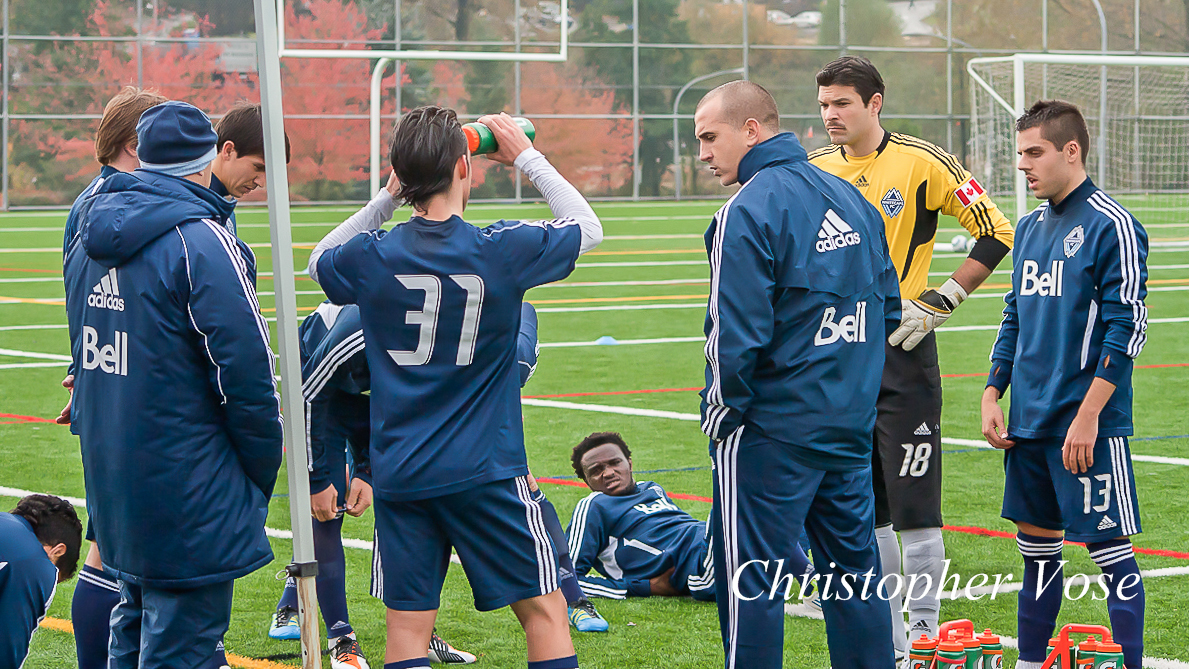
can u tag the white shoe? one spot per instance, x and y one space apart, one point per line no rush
346 654
440 651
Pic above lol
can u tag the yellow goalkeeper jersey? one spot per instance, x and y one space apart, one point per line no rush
910 182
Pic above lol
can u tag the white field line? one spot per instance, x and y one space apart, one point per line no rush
30 365
653 413
32 354
641 263
55 326
270 531
627 342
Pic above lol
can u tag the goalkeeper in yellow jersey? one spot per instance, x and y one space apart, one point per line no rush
911 182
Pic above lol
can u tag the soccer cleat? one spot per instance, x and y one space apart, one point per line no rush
585 618
440 651
346 654
285 625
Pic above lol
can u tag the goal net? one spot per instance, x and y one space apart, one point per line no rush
1137 110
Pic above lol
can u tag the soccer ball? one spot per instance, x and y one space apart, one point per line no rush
958 243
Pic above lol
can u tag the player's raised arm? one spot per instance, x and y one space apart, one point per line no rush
375 213
564 200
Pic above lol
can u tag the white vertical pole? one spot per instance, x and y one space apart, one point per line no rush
1020 104
304 566
374 122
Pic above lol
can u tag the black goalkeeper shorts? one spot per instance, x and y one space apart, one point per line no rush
906 458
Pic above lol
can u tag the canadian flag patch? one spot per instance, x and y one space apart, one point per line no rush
969 191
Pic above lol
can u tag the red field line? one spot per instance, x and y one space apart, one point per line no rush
21 269
978 531
26 419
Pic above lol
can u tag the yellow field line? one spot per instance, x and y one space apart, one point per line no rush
33 300
621 299
59 625
643 253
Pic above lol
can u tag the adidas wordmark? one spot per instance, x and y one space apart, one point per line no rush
835 233
106 293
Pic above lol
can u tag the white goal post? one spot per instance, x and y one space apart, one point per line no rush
1137 110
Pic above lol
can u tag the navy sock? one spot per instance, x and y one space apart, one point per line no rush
567 580
408 664
331 581
95 595
1125 598
1040 598
570 662
220 659
289 596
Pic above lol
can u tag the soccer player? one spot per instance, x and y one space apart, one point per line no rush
631 532
911 182
238 168
96 593
1074 321
39 544
439 300
794 348
174 397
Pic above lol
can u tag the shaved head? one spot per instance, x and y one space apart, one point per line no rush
742 100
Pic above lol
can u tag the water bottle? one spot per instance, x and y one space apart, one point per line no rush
1060 663
921 655
974 652
1108 655
480 140
992 650
951 655
1086 652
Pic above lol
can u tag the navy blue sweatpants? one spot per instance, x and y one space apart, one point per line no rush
762 499
152 628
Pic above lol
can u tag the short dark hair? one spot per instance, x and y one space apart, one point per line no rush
743 100
54 521
1060 123
854 71
596 439
243 126
426 144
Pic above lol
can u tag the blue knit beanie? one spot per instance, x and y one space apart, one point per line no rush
175 138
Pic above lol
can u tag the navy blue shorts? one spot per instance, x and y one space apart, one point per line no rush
1097 505
497 529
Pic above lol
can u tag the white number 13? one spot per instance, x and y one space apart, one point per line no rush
427 318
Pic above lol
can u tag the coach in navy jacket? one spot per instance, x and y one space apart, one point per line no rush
174 402
803 294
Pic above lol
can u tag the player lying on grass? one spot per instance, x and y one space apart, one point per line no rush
97 593
910 182
175 398
1074 321
632 534
39 545
440 300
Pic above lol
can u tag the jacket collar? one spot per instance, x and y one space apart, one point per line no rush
1079 194
781 149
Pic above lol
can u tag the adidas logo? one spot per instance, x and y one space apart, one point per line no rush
923 431
861 182
1106 523
835 233
106 293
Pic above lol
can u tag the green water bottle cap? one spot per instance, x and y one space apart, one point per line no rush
480 139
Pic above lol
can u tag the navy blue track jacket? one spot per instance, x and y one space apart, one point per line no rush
1075 311
27 582
803 294
336 383
174 403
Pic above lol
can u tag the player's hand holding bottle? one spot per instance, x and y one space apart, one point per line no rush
508 136
926 313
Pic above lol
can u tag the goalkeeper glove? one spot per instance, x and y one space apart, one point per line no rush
921 316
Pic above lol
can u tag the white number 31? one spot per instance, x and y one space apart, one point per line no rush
427 318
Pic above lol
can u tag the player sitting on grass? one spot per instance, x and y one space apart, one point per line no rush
632 534
440 300
1074 321
39 543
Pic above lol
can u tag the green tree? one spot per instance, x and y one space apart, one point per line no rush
661 74
868 22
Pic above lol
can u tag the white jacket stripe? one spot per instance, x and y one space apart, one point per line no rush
1129 261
